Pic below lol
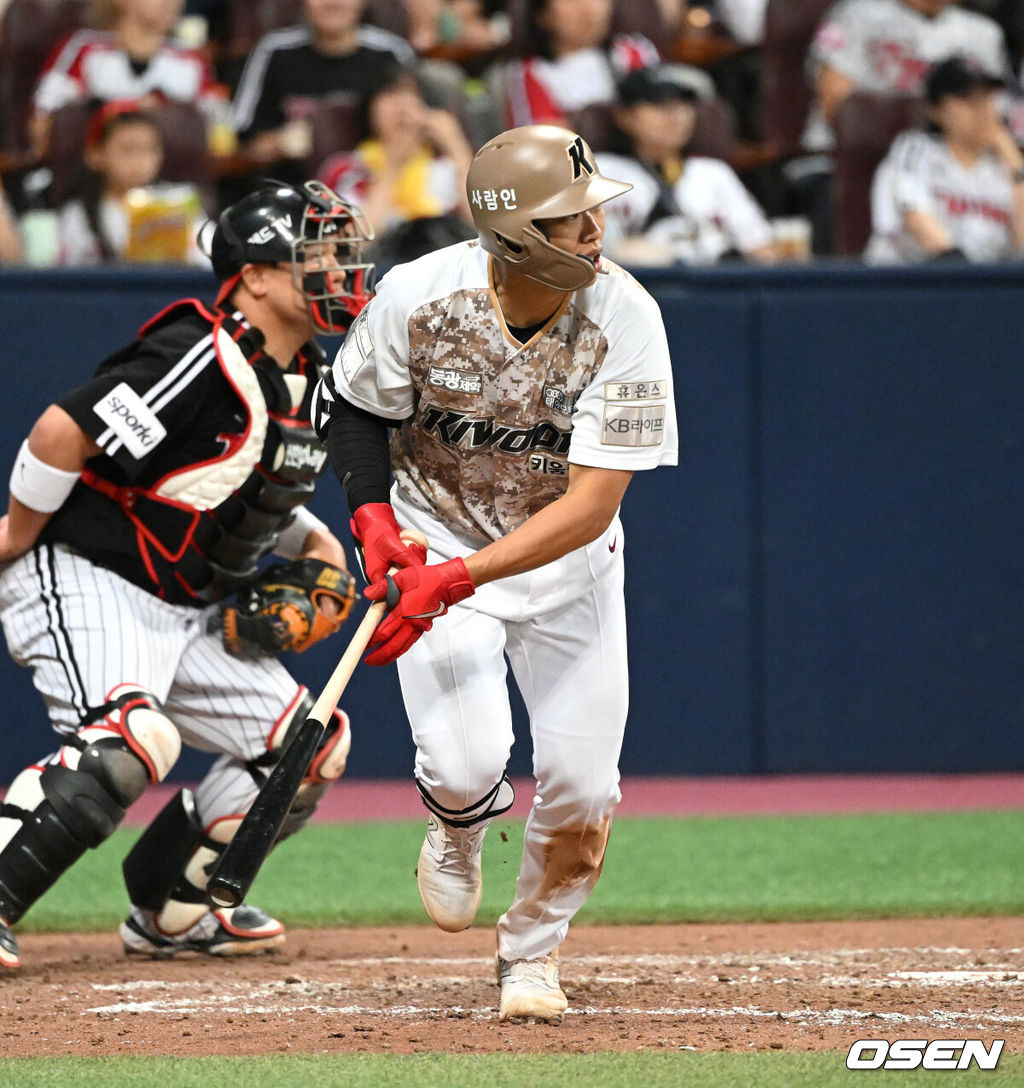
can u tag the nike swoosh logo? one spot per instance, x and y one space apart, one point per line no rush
614 543
439 611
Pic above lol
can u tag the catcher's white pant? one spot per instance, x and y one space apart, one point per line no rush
563 629
84 630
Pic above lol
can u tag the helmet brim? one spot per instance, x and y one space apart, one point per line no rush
581 197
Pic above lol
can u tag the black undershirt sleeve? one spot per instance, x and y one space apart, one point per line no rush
357 443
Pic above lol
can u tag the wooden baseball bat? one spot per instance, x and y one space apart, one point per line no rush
245 853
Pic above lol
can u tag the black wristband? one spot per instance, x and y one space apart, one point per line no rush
357 443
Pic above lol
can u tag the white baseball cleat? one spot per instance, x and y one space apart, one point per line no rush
233 931
448 873
8 948
530 990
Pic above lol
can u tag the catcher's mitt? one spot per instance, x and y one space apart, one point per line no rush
280 609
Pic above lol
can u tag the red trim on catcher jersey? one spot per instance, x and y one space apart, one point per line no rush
211 315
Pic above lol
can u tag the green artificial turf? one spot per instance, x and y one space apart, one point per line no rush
645 1069
657 870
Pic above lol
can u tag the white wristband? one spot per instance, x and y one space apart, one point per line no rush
291 542
37 485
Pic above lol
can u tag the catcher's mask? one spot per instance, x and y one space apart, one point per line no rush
309 227
530 173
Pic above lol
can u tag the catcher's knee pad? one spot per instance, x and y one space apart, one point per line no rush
138 717
493 803
325 767
75 801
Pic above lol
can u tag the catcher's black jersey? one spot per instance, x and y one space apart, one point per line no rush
186 417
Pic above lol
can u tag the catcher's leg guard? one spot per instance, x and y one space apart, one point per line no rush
180 898
56 811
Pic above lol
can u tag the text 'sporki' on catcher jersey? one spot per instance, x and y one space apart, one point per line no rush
490 426
206 449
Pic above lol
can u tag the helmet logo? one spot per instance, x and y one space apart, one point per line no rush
580 163
281 225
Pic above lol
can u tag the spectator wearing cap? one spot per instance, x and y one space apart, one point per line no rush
688 209
120 211
955 188
887 47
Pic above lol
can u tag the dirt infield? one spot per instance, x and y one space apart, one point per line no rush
725 987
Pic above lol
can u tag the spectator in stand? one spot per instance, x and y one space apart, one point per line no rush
574 62
882 47
888 46
682 208
121 212
412 166
133 56
330 57
955 189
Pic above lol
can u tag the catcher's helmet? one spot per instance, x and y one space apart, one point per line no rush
310 227
529 173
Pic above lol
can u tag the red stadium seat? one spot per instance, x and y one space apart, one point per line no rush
336 127
785 91
29 33
865 127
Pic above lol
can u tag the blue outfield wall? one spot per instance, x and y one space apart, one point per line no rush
832 580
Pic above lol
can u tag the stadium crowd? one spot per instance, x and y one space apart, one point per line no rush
753 130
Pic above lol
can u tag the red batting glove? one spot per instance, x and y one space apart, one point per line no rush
374 526
426 593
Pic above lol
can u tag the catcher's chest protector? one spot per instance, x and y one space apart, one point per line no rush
218 518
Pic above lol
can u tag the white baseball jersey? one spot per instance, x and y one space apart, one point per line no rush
92 65
492 424
489 427
706 213
887 47
974 203
540 90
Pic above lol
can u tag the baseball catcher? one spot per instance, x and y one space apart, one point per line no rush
145 506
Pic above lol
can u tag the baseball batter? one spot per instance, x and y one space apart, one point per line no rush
526 379
140 503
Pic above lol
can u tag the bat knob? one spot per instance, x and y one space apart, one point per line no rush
394 593
223 893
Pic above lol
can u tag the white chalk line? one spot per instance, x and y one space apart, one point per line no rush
835 1017
291 994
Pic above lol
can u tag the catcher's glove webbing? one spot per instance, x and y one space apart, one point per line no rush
280 609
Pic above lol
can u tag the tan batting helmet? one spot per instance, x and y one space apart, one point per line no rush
529 173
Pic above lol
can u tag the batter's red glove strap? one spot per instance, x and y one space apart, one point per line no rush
374 526
426 593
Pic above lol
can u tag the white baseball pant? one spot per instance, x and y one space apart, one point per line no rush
84 630
569 662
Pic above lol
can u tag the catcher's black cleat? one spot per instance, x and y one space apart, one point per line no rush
8 949
237 931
